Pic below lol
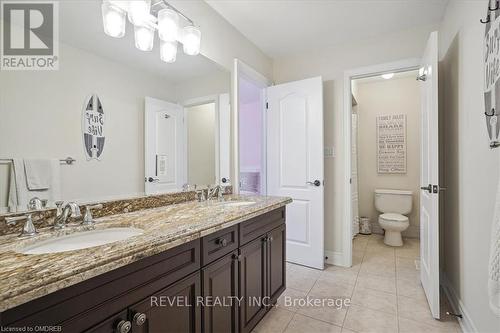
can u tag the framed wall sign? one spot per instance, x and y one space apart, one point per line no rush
391 143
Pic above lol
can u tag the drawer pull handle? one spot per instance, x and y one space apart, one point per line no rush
139 318
123 326
222 242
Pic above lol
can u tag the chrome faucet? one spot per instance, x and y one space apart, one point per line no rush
214 192
28 230
36 203
70 210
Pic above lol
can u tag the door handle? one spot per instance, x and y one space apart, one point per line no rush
153 179
315 183
427 188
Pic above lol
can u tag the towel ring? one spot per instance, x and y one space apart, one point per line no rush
491 114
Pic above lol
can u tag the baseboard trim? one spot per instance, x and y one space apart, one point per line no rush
334 258
466 323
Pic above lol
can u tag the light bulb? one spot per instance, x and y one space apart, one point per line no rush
168 51
191 40
139 11
168 25
113 19
388 76
144 37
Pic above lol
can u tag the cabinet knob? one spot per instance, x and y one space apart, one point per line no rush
222 242
139 318
270 238
237 257
123 326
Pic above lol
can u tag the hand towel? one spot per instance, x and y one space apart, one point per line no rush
20 194
494 263
38 174
18 191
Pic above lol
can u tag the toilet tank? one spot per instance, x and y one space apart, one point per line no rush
393 201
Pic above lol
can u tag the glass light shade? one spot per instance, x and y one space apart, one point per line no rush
139 11
191 40
168 25
113 19
168 51
388 76
144 37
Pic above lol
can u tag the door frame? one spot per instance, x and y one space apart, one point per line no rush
241 69
349 75
196 102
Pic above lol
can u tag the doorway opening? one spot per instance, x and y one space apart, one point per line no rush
252 136
385 156
391 152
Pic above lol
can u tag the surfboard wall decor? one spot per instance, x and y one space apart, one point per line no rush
492 71
93 127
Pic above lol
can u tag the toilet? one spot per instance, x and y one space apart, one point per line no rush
394 205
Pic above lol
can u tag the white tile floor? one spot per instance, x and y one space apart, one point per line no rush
384 288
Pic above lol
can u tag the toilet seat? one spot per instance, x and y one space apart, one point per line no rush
393 217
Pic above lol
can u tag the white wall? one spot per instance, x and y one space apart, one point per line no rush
331 63
41 117
471 169
399 95
202 86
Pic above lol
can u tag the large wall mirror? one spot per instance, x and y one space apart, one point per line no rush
133 124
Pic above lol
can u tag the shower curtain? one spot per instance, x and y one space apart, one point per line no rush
354 173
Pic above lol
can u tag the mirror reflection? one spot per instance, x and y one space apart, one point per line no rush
112 122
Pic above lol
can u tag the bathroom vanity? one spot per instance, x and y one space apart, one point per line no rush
169 279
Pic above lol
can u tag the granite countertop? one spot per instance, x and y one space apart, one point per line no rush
26 277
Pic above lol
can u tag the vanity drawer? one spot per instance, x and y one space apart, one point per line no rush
261 224
218 244
80 306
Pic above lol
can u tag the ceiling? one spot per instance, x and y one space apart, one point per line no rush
280 27
80 25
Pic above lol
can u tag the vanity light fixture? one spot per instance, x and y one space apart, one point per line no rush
141 13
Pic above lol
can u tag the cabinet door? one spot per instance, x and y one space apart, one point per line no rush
220 289
276 246
115 324
253 281
173 309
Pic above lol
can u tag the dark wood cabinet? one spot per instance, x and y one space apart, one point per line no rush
176 291
110 325
220 295
276 266
253 283
171 310
262 276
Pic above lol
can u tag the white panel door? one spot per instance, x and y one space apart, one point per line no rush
224 139
164 146
429 175
295 165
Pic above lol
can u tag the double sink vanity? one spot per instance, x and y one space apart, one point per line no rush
212 266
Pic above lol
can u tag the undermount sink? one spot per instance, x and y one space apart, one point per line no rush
237 203
81 240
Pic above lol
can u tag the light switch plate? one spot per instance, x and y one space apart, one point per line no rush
329 152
